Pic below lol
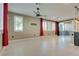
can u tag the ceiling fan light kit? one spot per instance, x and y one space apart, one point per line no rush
37 12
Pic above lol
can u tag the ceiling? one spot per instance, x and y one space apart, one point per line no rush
54 11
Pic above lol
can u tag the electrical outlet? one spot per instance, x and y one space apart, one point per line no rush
12 36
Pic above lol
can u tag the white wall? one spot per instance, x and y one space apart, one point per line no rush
1 16
1 24
28 29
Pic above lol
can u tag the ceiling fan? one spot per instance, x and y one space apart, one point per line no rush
37 12
76 11
77 8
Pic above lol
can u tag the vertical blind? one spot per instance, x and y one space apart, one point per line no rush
48 25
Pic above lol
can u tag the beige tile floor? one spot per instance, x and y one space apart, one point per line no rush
42 46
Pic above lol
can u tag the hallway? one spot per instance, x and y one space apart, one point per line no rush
42 46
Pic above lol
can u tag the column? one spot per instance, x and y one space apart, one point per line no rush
56 28
5 25
41 26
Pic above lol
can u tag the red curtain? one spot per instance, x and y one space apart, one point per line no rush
5 25
56 28
41 26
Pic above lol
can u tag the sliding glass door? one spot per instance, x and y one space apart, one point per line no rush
48 27
61 28
66 28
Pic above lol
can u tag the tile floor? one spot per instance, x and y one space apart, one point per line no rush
42 46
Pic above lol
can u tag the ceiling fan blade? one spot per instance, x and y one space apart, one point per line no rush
44 15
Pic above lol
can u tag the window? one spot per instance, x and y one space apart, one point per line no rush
53 26
18 23
44 25
61 26
48 26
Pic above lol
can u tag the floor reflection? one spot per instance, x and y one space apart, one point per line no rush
43 46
